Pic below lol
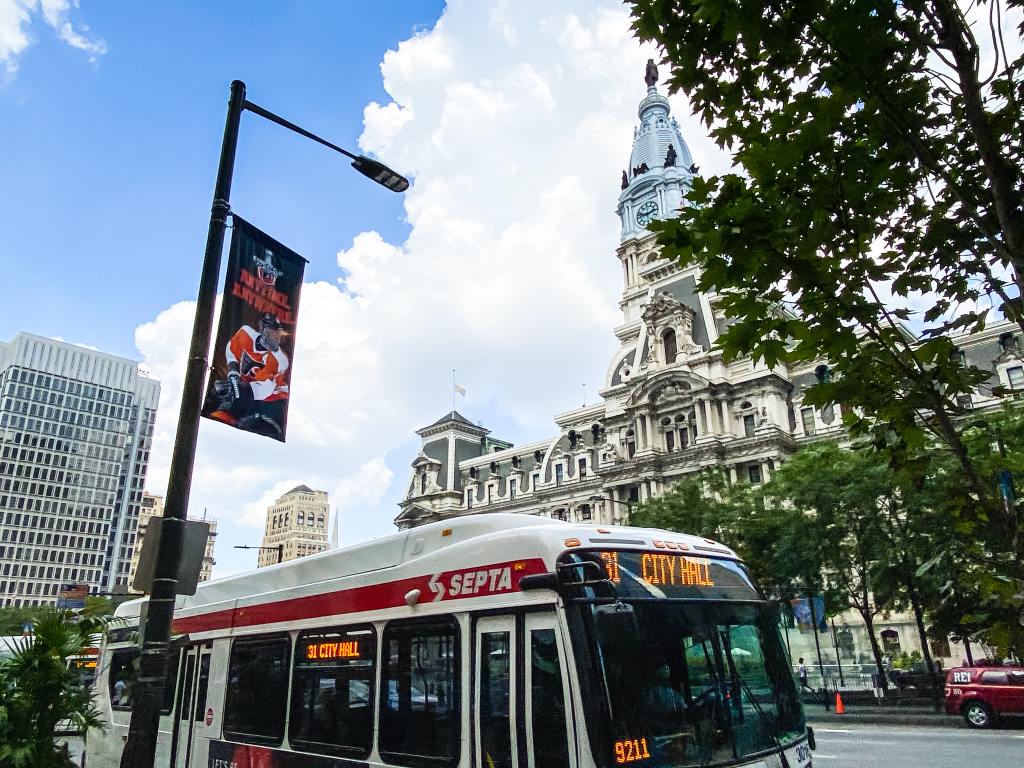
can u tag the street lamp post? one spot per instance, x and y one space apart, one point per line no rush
140 746
279 549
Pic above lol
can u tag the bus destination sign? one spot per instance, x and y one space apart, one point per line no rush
335 649
635 573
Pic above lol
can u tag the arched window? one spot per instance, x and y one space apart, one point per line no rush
423 483
890 641
630 443
302 518
669 340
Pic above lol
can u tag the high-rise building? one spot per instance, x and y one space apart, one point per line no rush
296 522
76 428
153 506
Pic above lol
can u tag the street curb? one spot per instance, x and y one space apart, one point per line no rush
885 718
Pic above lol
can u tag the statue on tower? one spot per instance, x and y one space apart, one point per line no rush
625 180
670 156
651 75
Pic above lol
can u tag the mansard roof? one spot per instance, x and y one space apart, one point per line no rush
300 489
454 417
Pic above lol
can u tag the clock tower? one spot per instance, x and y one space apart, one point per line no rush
660 166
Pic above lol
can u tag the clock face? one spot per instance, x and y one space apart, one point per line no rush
646 213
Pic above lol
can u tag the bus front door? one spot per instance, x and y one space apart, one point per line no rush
495 692
190 709
546 716
520 692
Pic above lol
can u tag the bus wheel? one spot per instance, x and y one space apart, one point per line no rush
978 715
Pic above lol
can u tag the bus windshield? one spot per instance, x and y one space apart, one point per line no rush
694 682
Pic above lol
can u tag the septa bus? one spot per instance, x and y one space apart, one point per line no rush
490 641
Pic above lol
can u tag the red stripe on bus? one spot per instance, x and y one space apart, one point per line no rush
475 581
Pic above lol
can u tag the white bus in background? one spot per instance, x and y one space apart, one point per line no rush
491 641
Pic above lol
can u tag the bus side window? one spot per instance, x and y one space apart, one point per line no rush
420 710
332 683
257 689
124 669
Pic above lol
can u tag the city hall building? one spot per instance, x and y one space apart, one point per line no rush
670 405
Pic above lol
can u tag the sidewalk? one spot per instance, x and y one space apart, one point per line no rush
874 714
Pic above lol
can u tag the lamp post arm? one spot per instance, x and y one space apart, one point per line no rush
266 113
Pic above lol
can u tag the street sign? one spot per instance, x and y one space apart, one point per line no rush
193 548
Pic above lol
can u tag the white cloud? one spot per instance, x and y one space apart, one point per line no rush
514 122
16 18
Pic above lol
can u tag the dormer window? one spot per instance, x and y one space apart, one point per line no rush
669 340
423 483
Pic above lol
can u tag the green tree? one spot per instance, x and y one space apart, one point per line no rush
837 492
38 691
881 185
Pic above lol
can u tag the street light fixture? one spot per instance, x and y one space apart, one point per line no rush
140 747
279 549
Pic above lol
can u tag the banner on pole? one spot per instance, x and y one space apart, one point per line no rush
802 613
250 378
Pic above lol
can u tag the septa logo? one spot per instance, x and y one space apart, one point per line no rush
481 582
436 587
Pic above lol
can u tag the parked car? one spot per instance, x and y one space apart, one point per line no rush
983 694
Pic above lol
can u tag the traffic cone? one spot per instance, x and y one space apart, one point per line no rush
840 709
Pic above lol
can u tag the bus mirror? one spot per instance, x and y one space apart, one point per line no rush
539 581
810 738
616 627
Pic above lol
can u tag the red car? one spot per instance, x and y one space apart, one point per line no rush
982 694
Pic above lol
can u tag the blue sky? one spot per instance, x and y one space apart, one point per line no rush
108 167
513 119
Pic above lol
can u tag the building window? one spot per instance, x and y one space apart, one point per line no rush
332 707
670 441
585 512
890 641
748 425
669 340
583 468
807 418
512 484
423 483
630 443
559 471
420 711
1015 375
257 690
754 473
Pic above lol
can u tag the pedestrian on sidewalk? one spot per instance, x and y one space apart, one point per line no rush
801 672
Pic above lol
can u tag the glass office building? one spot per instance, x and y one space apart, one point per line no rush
76 429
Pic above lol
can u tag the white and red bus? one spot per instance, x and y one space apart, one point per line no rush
491 641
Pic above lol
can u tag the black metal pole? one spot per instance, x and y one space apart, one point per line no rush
280 553
140 748
817 647
839 660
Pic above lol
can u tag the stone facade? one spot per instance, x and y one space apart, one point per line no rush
297 522
670 405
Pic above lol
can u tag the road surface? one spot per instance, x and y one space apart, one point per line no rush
886 746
